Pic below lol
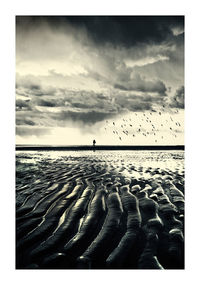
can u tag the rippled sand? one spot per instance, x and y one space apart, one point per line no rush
100 209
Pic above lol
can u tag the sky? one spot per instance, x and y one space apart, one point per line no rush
115 79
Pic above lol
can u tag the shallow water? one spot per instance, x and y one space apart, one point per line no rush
143 162
173 160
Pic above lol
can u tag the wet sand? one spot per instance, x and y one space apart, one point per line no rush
101 210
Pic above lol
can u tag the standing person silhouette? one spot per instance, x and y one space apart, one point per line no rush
94 145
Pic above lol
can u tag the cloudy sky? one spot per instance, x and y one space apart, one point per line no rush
118 80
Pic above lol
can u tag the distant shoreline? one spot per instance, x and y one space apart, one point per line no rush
100 147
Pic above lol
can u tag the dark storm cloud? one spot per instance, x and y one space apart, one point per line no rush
90 113
35 87
75 72
141 84
31 131
133 102
118 30
137 105
178 99
88 118
39 91
101 96
24 122
80 105
47 103
84 107
23 104
31 85
131 66
30 82
31 118
64 106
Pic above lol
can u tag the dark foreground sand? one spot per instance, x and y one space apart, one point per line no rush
104 210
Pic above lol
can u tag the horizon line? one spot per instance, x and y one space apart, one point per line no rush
96 145
99 147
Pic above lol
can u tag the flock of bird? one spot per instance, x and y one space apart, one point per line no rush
146 125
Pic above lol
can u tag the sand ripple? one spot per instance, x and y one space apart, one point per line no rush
100 210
